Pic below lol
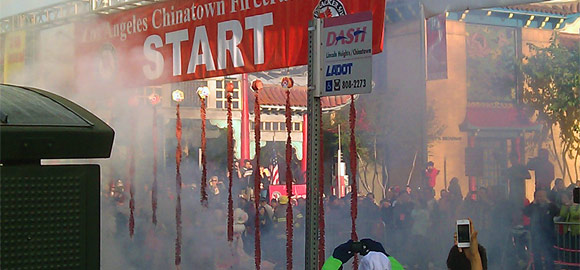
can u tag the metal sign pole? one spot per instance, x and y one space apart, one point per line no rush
314 114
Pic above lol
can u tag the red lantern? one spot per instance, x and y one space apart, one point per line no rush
287 82
230 87
257 85
154 99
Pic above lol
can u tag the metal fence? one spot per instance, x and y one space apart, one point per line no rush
567 245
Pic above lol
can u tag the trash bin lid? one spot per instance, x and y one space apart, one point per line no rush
36 124
21 106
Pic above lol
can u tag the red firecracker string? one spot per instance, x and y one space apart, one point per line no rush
154 187
132 187
230 171
203 154
353 168
178 189
321 224
257 176
289 178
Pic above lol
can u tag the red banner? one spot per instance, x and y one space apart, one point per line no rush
276 191
437 48
184 40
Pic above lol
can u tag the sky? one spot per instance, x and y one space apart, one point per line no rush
11 7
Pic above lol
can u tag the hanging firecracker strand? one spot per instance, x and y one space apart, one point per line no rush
289 178
203 154
230 161
257 86
178 189
154 187
321 224
132 186
353 171
154 99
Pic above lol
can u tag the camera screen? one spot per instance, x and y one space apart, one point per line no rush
463 233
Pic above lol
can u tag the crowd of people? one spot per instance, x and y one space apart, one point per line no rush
413 225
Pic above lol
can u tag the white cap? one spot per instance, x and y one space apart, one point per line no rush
375 261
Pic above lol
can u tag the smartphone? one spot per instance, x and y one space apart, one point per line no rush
357 247
463 233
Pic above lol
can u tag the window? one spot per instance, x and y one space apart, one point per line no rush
297 126
276 126
220 94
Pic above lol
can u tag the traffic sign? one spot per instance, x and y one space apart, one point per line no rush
346 50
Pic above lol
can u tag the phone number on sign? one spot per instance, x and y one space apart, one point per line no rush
348 84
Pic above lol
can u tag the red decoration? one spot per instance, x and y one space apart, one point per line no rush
202 112
362 121
282 43
154 99
230 163
154 187
257 85
321 222
132 186
353 168
289 178
230 87
287 82
257 176
178 189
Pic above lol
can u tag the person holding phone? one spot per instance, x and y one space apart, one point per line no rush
374 256
541 213
463 255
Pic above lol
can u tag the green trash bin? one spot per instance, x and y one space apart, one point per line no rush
49 215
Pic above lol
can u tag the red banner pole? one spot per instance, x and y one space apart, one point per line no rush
304 164
245 135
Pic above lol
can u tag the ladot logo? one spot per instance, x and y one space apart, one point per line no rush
346 36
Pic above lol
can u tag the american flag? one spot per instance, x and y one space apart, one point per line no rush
275 171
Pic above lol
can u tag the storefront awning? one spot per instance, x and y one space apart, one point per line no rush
273 97
496 117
